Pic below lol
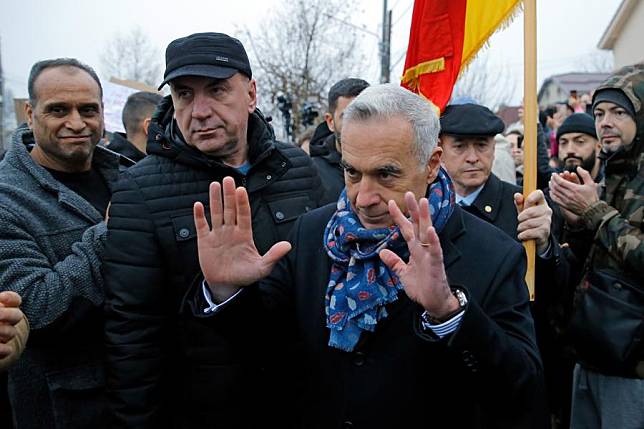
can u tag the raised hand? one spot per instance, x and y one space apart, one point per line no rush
227 254
534 219
423 277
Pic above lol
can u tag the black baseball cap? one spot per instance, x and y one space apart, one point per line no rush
215 55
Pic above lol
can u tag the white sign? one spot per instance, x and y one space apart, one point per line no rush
114 98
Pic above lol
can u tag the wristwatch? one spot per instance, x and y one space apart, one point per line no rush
462 302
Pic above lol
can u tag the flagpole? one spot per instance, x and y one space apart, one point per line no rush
530 121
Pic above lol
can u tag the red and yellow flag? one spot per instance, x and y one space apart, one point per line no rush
445 36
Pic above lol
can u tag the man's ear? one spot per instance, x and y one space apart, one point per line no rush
328 118
146 124
252 94
434 164
29 113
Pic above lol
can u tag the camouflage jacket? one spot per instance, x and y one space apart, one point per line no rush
612 227
616 220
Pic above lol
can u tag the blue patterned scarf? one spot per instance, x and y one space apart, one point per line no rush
360 284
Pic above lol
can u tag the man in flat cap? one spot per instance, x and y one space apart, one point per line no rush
467 139
164 371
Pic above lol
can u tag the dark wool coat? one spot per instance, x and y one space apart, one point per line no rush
151 259
495 204
51 245
486 374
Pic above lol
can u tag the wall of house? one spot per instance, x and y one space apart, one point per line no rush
551 94
628 47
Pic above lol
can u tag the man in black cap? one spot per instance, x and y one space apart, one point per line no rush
578 147
578 144
164 371
604 223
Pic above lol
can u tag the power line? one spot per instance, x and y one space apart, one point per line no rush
402 15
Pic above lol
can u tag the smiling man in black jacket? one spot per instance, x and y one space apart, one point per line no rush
207 129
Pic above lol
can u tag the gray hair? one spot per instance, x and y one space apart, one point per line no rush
390 100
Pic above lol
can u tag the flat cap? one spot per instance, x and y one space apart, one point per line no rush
470 120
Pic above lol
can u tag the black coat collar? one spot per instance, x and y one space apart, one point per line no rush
488 203
454 228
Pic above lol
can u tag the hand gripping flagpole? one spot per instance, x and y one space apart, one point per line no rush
530 122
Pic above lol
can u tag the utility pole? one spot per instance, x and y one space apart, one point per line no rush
385 44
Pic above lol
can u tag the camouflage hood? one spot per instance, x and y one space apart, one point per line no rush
630 80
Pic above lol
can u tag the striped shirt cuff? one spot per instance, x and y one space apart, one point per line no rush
446 327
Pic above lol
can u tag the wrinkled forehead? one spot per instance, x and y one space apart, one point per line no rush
377 131
375 143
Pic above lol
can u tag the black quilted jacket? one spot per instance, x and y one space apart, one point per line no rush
164 371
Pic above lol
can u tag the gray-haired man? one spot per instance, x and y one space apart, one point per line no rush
456 349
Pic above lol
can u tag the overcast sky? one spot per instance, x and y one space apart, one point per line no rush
31 30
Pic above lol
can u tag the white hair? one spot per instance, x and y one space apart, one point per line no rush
391 100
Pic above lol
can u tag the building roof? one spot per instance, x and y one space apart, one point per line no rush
580 82
614 29
508 114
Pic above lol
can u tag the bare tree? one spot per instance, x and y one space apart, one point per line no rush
492 86
8 117
132 56
301 49
598 61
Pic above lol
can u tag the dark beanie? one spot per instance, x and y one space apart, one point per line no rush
615 96
578 123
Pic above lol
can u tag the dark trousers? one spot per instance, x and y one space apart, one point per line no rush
6 416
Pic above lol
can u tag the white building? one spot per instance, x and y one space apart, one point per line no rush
557 88
625 33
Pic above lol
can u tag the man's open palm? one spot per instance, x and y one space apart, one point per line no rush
227 254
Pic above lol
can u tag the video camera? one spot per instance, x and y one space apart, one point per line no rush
308 113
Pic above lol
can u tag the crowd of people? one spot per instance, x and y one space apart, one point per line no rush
196 272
